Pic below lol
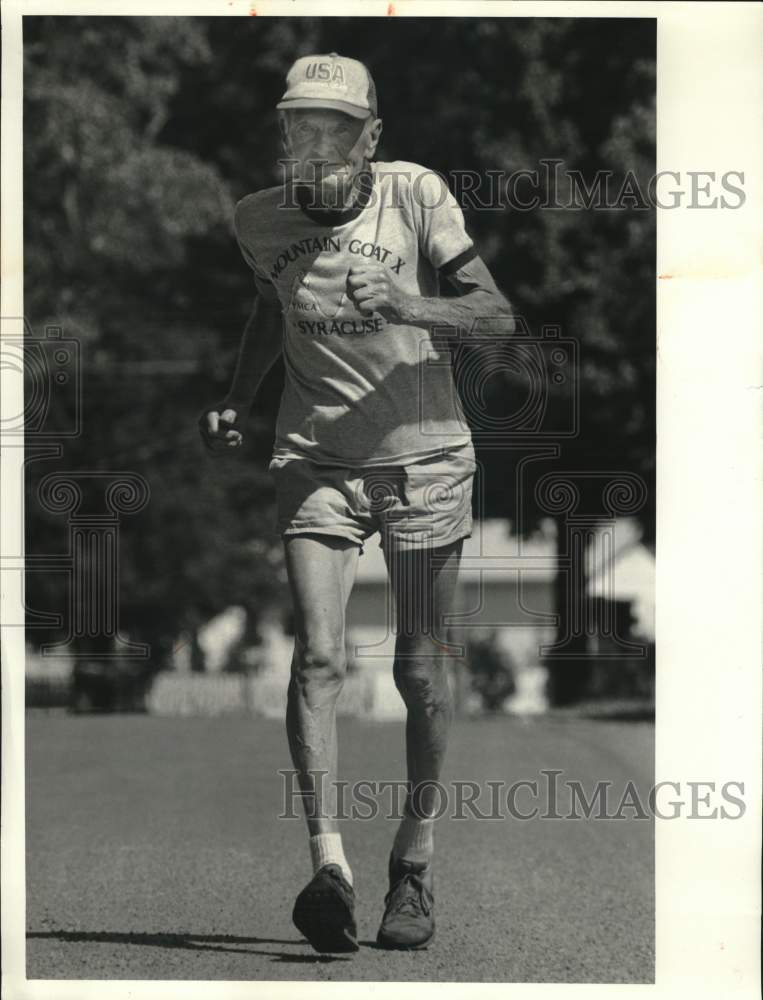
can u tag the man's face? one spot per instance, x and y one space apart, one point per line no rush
330 148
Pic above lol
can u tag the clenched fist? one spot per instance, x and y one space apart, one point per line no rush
217 426
371 288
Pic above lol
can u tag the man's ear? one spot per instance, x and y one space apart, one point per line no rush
283 127
373 135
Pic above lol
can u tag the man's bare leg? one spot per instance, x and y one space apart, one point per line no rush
424 585
321 571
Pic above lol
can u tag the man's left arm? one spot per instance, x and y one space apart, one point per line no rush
479 305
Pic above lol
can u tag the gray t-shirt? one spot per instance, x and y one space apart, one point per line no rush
359 390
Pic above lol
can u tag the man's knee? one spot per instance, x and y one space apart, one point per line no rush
320 661
421 678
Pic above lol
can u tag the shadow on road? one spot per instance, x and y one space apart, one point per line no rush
606 711
621 715
305 959
192 942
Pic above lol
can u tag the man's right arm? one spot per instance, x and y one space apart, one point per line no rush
261 345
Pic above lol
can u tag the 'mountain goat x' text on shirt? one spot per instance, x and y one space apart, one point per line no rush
359 390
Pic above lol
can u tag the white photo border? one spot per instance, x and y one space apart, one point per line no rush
709 501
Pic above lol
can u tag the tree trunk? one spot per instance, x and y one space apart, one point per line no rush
567 661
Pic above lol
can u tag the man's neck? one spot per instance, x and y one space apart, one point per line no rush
358 197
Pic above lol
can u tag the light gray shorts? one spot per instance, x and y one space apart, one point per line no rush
417 506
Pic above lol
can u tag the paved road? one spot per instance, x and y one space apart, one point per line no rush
154 852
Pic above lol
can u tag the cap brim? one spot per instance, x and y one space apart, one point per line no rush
319 102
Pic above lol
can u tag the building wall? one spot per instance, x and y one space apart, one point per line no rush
522 616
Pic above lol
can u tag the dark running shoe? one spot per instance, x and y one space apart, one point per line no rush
408 920
325 911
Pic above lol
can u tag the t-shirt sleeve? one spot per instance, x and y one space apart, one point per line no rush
440 222
241 223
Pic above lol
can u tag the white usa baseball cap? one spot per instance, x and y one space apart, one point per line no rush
330 81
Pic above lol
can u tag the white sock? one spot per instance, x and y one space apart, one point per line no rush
414 840
326 849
